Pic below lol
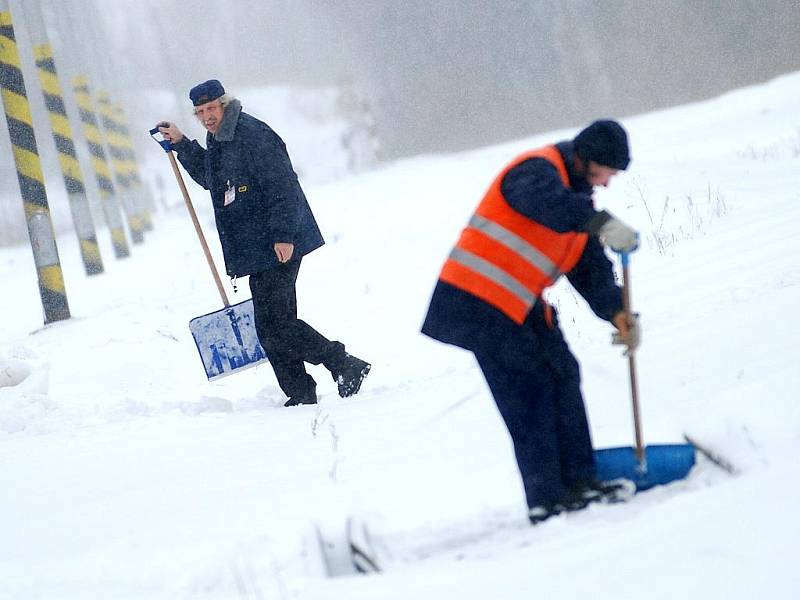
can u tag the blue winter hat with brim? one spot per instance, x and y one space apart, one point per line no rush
604 142
206 92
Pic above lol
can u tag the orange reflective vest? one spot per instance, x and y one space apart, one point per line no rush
507 259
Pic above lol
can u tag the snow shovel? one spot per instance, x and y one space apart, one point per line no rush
226 339
645 466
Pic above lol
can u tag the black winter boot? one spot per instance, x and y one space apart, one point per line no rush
607 492
297 401
307 397
349 374
540 513
582 495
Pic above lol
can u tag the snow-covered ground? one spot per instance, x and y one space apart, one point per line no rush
124 474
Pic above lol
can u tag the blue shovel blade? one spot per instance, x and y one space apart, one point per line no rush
227 340
663 464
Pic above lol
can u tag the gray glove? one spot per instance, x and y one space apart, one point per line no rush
634 337
617 235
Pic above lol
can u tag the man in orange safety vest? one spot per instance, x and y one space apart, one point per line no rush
537 222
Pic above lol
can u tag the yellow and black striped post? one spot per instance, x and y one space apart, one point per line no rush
120 161
29 174
62 135
122 122
102 173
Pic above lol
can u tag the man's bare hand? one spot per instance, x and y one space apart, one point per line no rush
170 131
284 251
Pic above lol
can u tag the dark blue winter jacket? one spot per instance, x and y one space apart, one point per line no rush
535 189
268 205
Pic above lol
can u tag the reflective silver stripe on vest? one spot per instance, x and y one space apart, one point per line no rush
493 273
516 243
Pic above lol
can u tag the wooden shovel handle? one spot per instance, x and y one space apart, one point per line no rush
198 229
637 418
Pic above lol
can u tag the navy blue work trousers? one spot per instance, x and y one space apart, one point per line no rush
539 397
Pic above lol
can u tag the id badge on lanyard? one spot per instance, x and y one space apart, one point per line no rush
230 194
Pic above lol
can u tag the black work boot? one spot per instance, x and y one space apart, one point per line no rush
582 494
349 374
606 492
537 514
308 396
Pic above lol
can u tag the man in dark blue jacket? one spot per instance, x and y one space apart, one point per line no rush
537 222
265 227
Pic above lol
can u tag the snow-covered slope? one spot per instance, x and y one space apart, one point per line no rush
126 475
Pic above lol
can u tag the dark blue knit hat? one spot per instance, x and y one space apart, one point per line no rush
604 142
206 92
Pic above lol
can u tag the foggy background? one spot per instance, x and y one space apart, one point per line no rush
448 75
428 76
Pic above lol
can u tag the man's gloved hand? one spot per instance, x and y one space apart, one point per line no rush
617 235
170 131
629 332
